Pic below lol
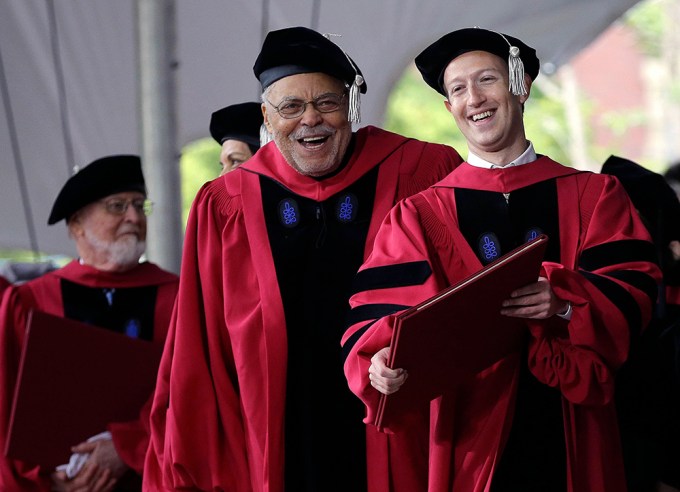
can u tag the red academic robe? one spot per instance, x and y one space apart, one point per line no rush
44 293
469 425
218 413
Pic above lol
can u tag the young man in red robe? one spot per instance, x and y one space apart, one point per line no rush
542 420
104 206
251 395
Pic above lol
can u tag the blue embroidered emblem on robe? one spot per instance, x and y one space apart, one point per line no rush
289 213
489 246
532 234
347 207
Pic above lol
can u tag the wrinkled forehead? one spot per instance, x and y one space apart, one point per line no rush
305 86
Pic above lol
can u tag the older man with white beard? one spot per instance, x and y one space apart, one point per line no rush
105 208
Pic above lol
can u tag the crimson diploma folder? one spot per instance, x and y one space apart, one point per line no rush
459 331
74 379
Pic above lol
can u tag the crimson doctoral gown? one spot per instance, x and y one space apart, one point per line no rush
46 293
218 413
600 260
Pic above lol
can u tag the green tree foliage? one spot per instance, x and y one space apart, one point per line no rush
415 110
200 162
649 21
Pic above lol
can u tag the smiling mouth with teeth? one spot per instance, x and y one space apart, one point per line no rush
311 141
481 116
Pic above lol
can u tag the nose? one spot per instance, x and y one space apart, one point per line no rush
311 117
133 215
476 95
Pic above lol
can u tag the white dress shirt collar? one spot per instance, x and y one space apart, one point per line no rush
527 157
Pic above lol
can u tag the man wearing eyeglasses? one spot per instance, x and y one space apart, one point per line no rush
105 208
251 394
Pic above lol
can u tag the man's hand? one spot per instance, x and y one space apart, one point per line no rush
100 473
384 379
674 247
535 301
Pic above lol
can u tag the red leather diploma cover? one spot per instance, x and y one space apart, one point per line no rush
73 380
459 331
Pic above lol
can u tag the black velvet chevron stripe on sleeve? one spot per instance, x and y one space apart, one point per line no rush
617 252
385 277
372 312
621 298
639 280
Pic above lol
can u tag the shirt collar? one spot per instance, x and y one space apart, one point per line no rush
526 157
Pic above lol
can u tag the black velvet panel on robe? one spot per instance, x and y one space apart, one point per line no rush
130 312
534 458
318 248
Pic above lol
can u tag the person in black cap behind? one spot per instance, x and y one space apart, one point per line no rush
105 207
237 128
648 385
542 420
251 393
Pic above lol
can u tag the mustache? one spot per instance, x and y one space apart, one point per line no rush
317 131
129 229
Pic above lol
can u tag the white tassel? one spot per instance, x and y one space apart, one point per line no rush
516 73
355 100
515 70
354 115
265 136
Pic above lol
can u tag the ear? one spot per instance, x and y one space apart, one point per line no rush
448 105
75 226
527 83
265 116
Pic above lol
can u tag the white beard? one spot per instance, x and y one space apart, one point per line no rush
123 252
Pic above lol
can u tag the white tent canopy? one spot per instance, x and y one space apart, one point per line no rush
69 73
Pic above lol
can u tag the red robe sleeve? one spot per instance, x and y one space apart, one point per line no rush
15 476
401 242
197 432
611 288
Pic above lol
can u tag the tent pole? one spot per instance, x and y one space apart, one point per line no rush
160 157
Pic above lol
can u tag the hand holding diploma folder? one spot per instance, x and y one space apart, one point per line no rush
73 380
460 331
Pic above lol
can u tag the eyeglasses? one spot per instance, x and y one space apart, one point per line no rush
293 108
119 207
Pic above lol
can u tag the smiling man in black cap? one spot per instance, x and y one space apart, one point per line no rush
104 206
251 394
237 128
543 420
